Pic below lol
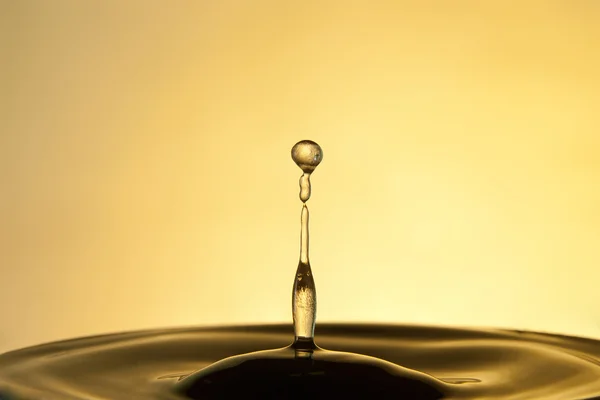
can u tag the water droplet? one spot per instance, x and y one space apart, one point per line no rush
307 154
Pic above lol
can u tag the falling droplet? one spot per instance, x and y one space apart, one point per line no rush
307 155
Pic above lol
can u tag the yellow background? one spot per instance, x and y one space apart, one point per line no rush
147 180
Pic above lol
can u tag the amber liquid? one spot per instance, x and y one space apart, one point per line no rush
475 364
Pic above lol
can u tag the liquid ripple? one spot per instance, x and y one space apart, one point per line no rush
480 364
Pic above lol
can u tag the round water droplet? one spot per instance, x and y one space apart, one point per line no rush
307 154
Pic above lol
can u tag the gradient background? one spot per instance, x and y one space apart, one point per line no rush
147 181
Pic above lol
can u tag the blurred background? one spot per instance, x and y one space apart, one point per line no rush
147 179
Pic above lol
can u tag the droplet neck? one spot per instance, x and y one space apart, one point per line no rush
304 239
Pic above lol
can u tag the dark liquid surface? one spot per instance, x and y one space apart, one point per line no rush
480 364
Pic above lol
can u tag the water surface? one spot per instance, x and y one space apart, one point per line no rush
481 364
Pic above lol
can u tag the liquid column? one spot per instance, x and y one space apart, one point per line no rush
307 154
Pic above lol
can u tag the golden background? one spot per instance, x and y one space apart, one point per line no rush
147 179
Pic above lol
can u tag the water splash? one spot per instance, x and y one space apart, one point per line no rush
438 362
